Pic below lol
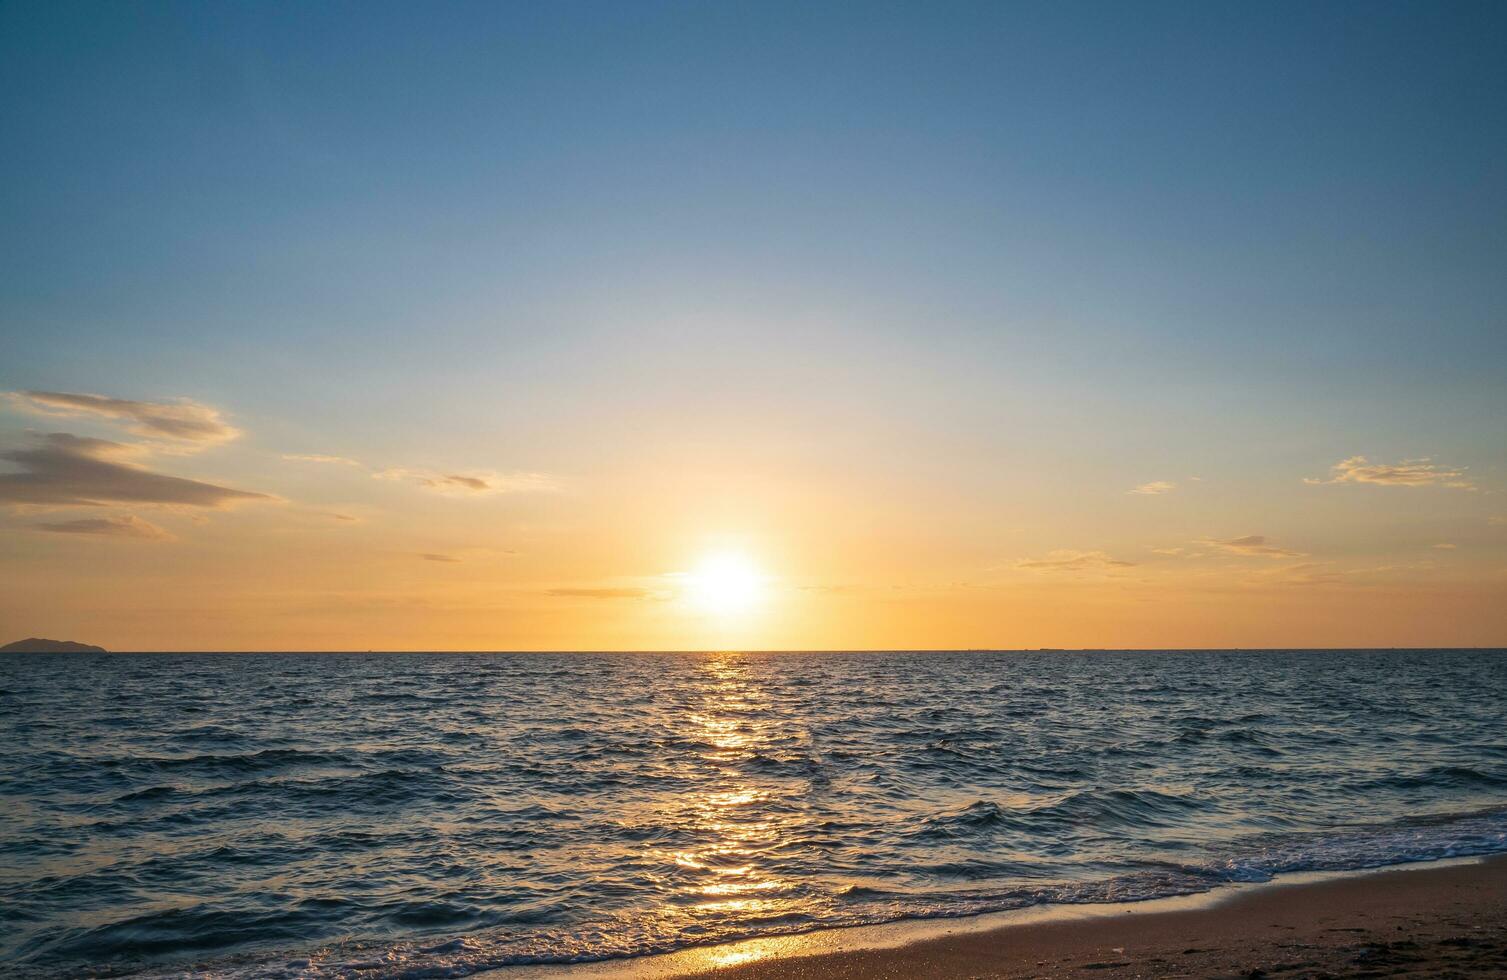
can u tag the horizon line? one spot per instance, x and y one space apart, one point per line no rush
835 650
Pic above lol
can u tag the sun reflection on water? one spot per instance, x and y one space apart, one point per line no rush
738 822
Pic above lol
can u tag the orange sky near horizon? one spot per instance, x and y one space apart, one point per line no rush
336 554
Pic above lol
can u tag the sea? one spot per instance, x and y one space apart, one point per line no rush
432 815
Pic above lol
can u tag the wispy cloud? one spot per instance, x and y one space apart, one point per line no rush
1446 546
1251 545
1306 573
185 422
1328 573
1420 472
474 482
431 556
456 481
65 469
462 483
125 526
1154 488
318 458
1392 568
625 593
1065 560
1176 553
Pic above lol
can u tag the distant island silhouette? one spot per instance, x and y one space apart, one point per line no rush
35 644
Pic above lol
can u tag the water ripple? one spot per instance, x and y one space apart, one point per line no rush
386 816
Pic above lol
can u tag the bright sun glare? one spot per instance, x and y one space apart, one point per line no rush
726 582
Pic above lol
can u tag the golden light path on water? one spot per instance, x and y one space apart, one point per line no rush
730 875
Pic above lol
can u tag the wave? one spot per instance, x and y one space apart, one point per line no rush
450 812
1143 809
1450 836
1434 779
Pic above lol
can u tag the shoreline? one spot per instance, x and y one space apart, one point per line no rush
1405 919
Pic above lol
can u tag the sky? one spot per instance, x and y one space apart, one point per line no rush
724 325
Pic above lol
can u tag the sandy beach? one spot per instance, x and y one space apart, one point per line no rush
1440 921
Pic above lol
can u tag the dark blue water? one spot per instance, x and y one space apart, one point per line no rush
389 815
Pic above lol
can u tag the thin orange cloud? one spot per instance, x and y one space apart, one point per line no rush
1252 544
183 421
1419 472
1066 560
320 458
470 483
125 526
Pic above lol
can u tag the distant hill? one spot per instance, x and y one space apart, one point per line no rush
35 644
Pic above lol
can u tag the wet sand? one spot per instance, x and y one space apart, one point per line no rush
1437 922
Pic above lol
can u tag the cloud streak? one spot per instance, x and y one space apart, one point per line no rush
65 470
1154 488
1306 573
1409 473
318 458
463 484
1252 545
475 484
1065 560
625 593
469 484
182 421
125 526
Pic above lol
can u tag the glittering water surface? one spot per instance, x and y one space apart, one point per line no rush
406 815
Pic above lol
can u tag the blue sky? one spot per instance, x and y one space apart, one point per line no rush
1026 249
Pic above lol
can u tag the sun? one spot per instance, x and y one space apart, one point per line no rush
724 583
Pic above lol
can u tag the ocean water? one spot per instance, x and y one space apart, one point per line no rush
386 816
